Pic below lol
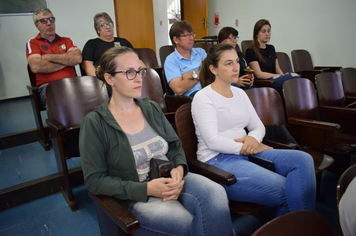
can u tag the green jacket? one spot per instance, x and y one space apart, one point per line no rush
116 175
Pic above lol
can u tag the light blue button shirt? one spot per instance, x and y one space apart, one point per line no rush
176 65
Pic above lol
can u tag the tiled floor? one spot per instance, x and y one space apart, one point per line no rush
51 216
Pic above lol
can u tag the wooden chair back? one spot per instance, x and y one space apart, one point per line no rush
32 76
186 130
205 46
295 224
70 99
164 51
37 107
344 181
268 105
348 76
148 56
152 88
302 60
330 90
300 99
284 62
245 44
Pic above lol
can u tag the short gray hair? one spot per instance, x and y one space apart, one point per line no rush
97 19
40 10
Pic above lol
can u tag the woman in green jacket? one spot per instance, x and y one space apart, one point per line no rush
118 163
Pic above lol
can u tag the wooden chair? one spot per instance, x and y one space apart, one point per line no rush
269 107
284 62
186 132
245 44
303 65
344 181
68 101
306 126
333 104
173 101
297 223
37 107
348 76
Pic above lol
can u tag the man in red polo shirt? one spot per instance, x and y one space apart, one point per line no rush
50 56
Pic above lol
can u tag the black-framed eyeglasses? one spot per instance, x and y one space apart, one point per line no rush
107 24
188 35
131 73
44 20
234 37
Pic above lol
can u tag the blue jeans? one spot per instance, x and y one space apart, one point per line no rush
201 209
291 188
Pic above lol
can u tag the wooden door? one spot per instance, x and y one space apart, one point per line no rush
196 13
134 21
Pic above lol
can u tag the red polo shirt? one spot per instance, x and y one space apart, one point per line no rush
42 46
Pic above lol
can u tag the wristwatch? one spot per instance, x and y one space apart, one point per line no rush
195 76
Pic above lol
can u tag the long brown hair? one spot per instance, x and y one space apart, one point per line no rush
258 26
213 58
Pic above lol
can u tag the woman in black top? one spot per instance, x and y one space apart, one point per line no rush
262 57
230 36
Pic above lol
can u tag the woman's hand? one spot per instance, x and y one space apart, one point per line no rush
244 81
263 147
249 146
167 188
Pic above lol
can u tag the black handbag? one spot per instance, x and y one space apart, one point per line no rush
160 168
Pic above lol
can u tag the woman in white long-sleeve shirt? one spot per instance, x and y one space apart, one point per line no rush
221 113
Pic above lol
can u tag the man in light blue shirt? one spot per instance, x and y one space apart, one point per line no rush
182 66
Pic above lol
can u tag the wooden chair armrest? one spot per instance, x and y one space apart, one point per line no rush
339 110
263 82
328 68
32 89
352 104
118 214
174 102
279 145
211 172
55 125
314 124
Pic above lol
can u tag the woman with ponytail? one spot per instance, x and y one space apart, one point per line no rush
221 114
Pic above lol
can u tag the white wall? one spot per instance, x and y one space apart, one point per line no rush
73 19
323 27
161 24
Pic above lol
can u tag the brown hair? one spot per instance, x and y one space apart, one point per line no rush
258 26
107 61
225 32
98 17
213 58
178 28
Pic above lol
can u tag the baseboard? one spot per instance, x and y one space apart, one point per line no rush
32 190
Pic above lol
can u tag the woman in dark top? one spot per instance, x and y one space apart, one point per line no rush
262 57
95 48
230 36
